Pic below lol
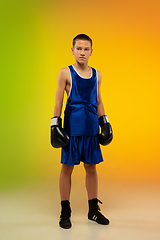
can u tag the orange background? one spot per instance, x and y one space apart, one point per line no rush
37 44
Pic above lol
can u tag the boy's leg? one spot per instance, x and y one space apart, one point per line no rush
92 189
91 180
65 188
65 181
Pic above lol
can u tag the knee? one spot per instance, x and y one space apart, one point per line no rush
67 169
90 168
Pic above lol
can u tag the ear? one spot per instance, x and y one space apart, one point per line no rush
91 52
72 49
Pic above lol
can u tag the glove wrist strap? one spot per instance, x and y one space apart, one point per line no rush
56 121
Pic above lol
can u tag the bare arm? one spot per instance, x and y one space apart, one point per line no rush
101 110
62 81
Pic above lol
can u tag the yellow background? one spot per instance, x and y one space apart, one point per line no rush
36 40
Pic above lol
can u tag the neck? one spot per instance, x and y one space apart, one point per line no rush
80 66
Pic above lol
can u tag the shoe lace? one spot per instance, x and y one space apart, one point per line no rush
97 204
96 207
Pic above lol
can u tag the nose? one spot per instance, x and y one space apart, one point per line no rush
82 52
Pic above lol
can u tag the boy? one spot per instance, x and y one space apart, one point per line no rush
80 137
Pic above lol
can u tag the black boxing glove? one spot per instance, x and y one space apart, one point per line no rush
59 137
106 135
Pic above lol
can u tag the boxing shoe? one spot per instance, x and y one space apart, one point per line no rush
65 215
94 212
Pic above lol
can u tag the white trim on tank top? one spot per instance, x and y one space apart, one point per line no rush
97 83
81 76
71 83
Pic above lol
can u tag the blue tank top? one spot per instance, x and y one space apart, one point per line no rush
80 116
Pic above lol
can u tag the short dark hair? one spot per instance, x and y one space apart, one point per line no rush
82 37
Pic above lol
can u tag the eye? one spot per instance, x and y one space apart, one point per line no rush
86 49
78 48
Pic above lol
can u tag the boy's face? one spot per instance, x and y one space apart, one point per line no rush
82 51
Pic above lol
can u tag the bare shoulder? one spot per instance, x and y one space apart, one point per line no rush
64 79
64 75
64 72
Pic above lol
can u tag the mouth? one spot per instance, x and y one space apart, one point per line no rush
82 57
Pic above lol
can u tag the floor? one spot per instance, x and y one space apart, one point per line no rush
33 213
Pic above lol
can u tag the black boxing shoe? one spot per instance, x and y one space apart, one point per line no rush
94 212
65 215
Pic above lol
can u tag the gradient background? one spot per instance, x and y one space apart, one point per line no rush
36 40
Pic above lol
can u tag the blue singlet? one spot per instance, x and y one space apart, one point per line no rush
81 117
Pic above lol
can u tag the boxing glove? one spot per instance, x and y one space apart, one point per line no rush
106 135
59 137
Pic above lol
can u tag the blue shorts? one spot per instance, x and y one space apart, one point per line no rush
82 148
